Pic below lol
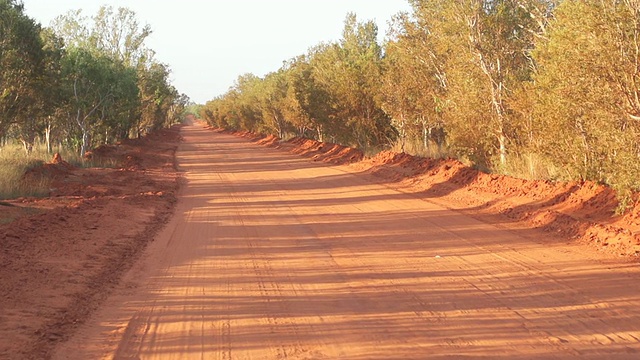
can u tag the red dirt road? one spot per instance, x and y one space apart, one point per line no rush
271 256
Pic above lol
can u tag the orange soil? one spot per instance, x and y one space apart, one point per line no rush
272 256
61 255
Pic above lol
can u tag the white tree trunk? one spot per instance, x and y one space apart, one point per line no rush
85 142
47 137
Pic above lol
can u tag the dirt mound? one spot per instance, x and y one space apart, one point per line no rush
101 151
318 151
132 162
261 139
397 166
57 168
269 140
325 152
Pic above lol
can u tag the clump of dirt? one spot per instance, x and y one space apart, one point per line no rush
101 152
269 140
57 168
60 255
324 152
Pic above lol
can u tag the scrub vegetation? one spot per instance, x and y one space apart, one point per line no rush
81 83
532 88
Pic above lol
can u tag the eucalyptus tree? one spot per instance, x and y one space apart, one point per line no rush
113 33
499 40
49 99
587 89
222 111
156 97
272 101
53 100
483 50
298 108
414 82
92 85
118 36
321 100
117 115
247 102
351 70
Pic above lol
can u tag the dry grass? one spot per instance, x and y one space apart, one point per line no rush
532 167
14 162
12 183
415 147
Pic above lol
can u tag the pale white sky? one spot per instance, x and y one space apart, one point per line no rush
208 44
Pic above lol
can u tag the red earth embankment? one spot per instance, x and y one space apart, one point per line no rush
60 255
577 211
581 211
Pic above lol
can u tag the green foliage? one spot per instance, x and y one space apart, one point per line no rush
413 87
22 64
82 83
585 109
160 102
330 93
534 88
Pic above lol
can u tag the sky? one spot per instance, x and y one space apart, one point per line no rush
209 43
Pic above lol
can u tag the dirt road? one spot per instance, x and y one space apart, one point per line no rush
271 256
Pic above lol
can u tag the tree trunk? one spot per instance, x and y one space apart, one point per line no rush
47 137
28 147
502 140
426 131
85 142
401 127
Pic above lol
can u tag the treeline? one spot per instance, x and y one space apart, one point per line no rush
539 88
82 82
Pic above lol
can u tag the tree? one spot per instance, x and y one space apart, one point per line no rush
111 45
116 34
479 51
119 35
586 91
49 98
117 116
92 85
350 71
272 97
156 97
22 65
247 106
414 83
